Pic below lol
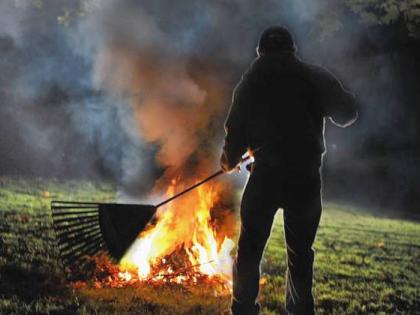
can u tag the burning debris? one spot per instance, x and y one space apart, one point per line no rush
184 227
109 275
185 244
180 239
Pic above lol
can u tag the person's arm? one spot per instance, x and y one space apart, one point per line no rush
339 104
235 127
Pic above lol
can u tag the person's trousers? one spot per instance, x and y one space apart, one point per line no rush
298 193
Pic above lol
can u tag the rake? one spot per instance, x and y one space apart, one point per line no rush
84 229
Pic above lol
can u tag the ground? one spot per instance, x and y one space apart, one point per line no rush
365 264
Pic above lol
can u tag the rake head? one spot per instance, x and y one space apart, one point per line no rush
85 229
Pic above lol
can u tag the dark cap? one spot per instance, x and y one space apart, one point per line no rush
276 39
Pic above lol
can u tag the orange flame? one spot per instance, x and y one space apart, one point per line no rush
182 225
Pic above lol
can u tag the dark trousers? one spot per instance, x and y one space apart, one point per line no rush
298 193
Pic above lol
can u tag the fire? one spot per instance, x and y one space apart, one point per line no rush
183 246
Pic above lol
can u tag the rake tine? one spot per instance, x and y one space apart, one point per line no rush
108 255
68 248
71 258
64 237
66 241
78 262
83 238
86 219
58 208
68 227
64 213
74 202
88 251
90 228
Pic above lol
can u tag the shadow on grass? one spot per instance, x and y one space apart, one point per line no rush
29 284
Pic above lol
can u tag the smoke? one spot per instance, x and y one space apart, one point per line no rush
168 106
137 91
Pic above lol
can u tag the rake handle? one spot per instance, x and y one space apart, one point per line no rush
197 184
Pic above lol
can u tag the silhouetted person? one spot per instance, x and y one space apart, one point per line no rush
277 114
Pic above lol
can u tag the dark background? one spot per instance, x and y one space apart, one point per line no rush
57 121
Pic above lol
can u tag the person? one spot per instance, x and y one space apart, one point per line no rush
277 115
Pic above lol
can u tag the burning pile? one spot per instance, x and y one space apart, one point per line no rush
183 242
184 245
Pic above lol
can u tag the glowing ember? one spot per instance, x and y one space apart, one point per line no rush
182 246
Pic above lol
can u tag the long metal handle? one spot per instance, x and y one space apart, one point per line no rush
197 184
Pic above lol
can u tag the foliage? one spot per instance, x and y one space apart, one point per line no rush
364 264
389 12
333 16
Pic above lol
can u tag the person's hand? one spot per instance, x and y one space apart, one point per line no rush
230 170
236 169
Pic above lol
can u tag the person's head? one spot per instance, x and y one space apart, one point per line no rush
275 39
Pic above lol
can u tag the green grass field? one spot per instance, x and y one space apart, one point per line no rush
364 264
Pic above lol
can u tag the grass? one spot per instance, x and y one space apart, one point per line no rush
364 264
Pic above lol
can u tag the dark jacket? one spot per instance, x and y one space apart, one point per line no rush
278 111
